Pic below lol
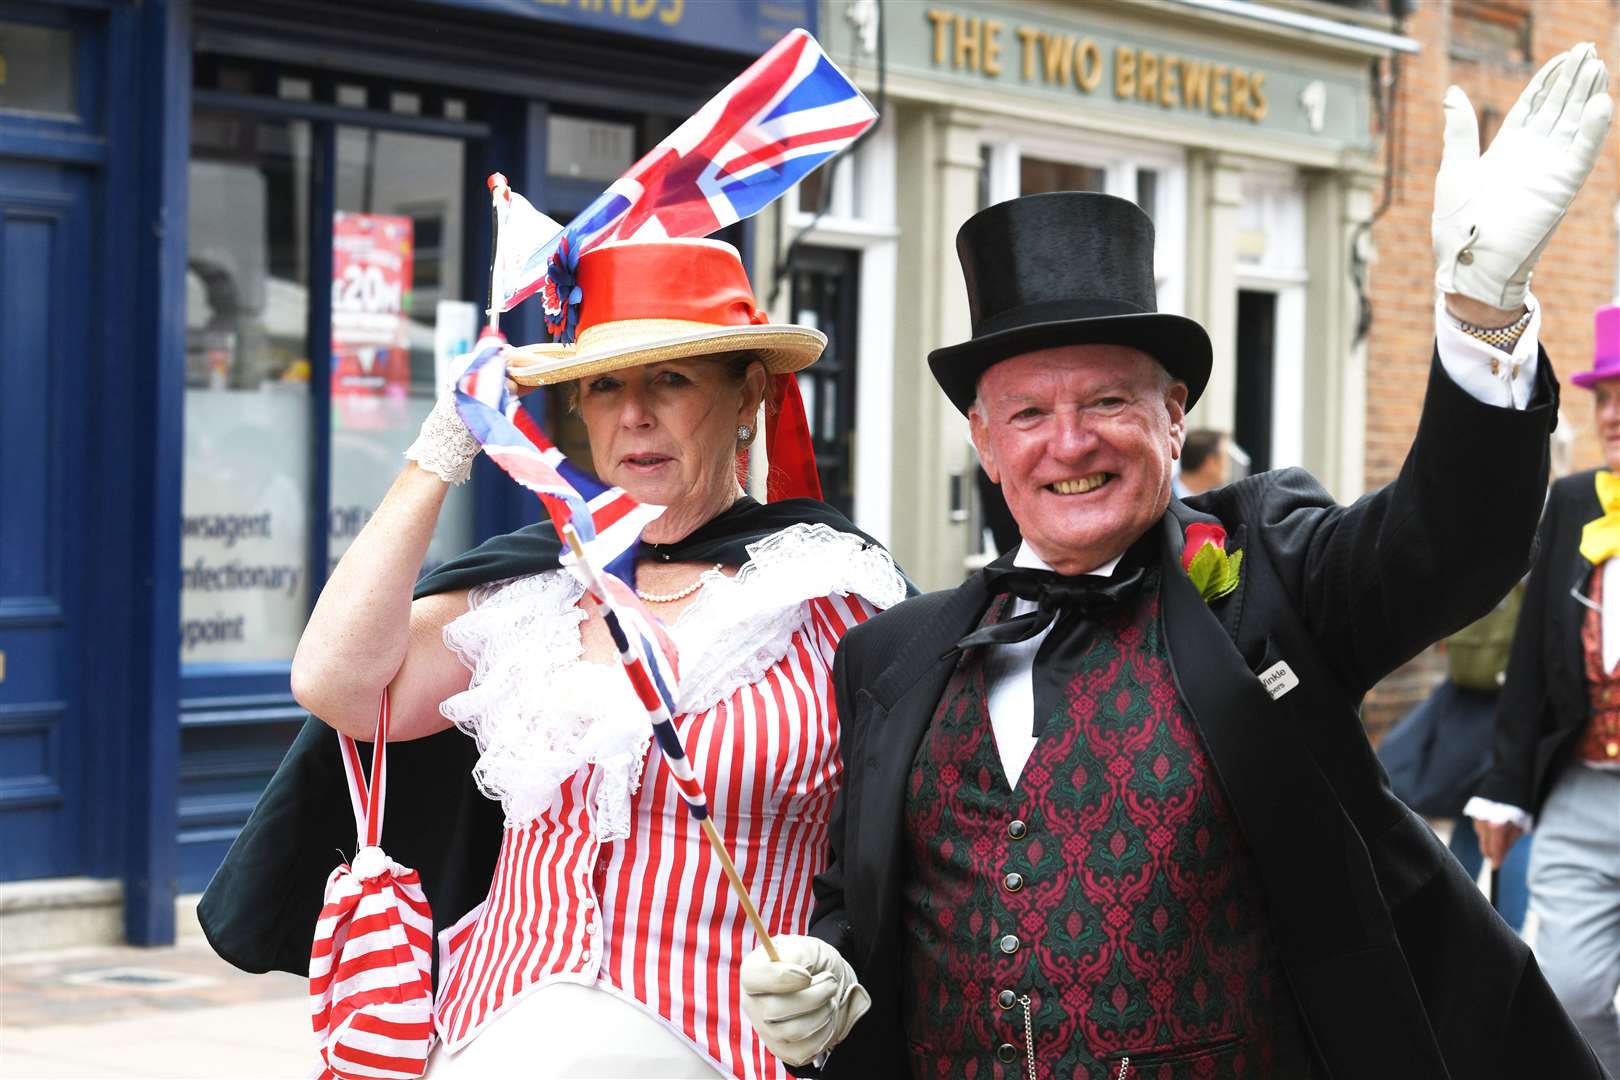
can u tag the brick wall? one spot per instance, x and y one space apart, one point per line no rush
1490 48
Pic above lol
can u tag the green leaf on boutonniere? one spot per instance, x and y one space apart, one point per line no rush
1214 571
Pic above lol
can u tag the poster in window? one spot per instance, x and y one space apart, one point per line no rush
371 281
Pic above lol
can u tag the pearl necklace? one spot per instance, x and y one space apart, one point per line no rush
670 598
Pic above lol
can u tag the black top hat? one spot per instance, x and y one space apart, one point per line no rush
1064 268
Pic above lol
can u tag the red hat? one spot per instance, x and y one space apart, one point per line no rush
642 301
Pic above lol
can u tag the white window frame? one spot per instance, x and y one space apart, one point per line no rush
1119 159
1279 194
861 216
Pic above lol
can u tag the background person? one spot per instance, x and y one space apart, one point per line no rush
1557 757
1205 463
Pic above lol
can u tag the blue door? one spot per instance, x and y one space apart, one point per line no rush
45 241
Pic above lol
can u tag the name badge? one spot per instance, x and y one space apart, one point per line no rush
1278 679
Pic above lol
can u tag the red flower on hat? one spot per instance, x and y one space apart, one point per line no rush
559 293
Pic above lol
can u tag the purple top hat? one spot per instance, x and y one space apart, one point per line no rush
1605 351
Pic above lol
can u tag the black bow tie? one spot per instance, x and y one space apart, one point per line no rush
1084 595
1074 604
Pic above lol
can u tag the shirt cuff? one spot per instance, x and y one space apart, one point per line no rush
1488 374
1495 813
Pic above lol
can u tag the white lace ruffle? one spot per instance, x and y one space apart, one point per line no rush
444 446
540 712
537 710
739 627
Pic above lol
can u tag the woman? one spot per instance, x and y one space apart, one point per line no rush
608 941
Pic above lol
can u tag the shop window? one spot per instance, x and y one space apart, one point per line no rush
1027 162
1036 176
840 276
245 573
1147 191
826 292
289 88
1492 31
1256 377
397 319
588 149
836 190
256 467
1271 349
37 69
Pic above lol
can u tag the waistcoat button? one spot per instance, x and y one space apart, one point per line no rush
1006 999
1016 829
1013 882
1007 1052
1009 944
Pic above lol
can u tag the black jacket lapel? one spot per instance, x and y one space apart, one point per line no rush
893 716
1320 887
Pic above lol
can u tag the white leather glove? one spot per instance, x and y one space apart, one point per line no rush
444 446
1494 213
804 1004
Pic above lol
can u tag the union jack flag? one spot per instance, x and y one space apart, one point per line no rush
776 122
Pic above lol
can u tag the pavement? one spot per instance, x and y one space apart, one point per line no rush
179 1011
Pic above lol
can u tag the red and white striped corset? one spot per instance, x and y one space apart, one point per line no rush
636 904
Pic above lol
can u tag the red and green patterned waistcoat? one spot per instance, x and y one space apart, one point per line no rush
1111 889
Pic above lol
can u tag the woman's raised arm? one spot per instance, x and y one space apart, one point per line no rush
365 632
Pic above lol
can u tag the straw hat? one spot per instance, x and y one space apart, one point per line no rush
644 301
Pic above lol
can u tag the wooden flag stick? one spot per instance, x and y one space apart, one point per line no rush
743 898
706 820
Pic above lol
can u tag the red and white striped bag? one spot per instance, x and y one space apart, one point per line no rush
370 968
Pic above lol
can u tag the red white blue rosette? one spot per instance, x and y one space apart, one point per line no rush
560 293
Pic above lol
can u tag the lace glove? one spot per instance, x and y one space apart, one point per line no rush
444 446
804 1004
1494 213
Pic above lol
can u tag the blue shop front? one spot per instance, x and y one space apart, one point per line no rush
240 245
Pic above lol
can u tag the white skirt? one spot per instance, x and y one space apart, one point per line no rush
569 1030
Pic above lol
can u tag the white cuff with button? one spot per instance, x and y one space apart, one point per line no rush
1486 373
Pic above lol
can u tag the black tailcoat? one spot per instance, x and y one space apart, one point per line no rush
1399 965
1544 706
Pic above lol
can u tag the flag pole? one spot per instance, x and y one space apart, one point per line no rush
497 184
661 716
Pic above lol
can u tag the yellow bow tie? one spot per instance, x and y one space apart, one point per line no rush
1600 538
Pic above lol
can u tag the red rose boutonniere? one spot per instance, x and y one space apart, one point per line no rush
1205 559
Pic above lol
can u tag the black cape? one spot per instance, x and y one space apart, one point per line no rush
260 909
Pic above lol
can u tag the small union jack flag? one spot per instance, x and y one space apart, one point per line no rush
775 123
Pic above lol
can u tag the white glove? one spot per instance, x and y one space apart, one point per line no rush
1493 214
444 446
804 1004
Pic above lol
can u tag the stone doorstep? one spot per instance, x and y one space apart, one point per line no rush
60 913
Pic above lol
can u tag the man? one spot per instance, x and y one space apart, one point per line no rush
1108 809
1557 755
1204 463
